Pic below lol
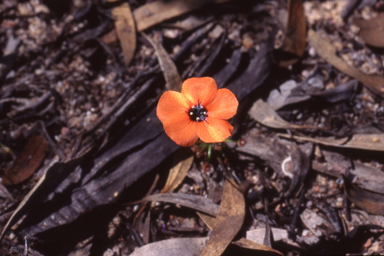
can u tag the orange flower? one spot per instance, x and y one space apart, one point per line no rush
199 110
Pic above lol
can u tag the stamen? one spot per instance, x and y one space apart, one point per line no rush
197 113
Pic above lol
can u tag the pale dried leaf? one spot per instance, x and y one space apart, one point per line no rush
264 114
156 12
228 221
258 235
368 201
366 177
125 30
277 98
177 175
173 247
207 219
195 202
249 244
358 141
110 37
326 50
171 74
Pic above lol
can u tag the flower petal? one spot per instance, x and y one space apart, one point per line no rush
200 90
223 106
214 130
183 131
172 106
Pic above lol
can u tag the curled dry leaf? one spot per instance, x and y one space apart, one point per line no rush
126 30
167 65
326 50
27 161
228 221
358 141
278 97
177 175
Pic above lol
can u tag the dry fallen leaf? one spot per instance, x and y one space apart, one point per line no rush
264 114
345 91
142 223
27 161
155 12
278 97
358 141
189 23
371 30
126 30
295 40
368 201
368 177
249 244
173 247
326 51
228 221
195 202
177 175
207 219
110 37
171 74
54 169
365 176
279 235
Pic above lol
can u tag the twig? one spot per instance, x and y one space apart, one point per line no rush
26 238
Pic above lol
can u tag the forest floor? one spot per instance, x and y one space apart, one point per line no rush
87 169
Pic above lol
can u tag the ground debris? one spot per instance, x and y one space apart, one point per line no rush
83 153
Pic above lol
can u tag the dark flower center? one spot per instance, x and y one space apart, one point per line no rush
197 113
